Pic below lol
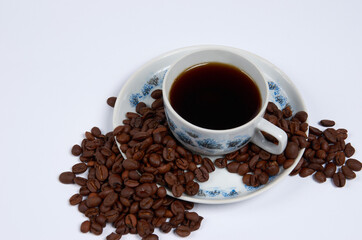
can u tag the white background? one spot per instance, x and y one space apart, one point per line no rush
61 60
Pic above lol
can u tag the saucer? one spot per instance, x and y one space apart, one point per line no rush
222 186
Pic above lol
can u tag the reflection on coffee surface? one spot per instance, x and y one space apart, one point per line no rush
215 96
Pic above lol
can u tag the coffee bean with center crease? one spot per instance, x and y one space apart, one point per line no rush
339 179
101 172
208 164
220 162
170 178
201 174
177 190
183 231
114 236
93 185
75 199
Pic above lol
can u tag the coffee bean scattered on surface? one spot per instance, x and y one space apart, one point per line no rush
111 101
326 156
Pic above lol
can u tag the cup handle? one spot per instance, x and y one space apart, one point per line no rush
279 134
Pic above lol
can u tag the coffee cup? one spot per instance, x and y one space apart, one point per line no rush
210 140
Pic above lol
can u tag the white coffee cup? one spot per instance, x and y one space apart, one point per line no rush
218 142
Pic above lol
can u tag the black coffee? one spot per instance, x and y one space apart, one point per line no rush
215 96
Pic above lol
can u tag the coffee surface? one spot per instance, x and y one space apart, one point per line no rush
215 96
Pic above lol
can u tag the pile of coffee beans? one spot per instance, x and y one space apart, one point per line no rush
124 192
257 165
326 156
150 148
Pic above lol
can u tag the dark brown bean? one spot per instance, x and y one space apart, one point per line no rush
349 150
288 163
339 179
208 164
192 188
85 226
178 190
201 174
347 172
305 172
66 177
327 123
330 169
243 169
101 172
291 151
220 162
76 150
320 177
75 199
93 185
233 167
183 231
111 101
301 116
114 236
354 164
340 159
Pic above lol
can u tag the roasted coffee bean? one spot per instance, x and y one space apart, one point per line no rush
130 221
301 116
207 163
101 172
347 172
170 178
80 181
243 169
101 219
93 200
183 164
115 180
320 177
130 164
339 179
183 231
331 135
166 227
340 159
85 226
110 199
349 150
253 161
150 237
329 170
263 178
327 123
169 154
220 162
291 151
246 179
354 164
192 188
144 190
201 174
178 190
66 177
305 172
272 168
96 228
315 131
233 167
76 150
75 199
114 236
93 185
111 101
161 192
316 166
288 163
131 183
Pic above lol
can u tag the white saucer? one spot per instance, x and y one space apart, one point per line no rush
222 187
